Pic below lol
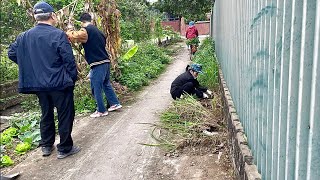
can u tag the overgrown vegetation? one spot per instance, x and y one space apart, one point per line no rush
8 70
206 56
136 17
21 137
184 122
188 121
146 64
138 22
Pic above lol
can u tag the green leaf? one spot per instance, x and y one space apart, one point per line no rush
131 53
22 148
5 139
11 131
6 161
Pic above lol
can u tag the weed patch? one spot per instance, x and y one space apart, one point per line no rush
206 56
148 62
196 125
185 125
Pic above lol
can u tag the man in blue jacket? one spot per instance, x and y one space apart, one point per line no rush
47 68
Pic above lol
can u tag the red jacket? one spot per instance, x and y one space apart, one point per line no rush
192 32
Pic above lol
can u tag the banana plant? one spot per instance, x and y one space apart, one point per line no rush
126 57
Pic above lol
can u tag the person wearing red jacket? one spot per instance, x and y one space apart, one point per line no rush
192 37
192 31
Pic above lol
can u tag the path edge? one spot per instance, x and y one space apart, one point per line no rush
241 155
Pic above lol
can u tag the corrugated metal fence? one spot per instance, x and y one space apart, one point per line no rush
269 52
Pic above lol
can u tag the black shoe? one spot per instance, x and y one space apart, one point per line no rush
74 150
47 150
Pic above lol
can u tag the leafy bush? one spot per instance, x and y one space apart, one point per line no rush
6 136
28 126
147 63
5 139
135 21
8 69
6 161
206 56
22 148
11 132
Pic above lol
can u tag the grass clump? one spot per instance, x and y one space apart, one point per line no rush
206 56
183 123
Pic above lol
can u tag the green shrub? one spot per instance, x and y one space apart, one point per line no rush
206 56
28 127
147 63
22 148
5 139
6 161
8 69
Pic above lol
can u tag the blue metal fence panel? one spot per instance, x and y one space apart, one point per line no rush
269 53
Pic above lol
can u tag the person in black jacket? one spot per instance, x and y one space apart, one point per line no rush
47 68
187 83
94 44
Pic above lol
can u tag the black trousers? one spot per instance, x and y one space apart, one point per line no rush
188 88
63 101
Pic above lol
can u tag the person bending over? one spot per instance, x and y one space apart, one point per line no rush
187 83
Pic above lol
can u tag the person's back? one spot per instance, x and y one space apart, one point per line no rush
95 46
40 67
192 31
180 81
47 68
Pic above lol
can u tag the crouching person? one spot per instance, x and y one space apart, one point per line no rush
187 83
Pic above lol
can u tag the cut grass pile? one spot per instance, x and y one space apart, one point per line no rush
186 124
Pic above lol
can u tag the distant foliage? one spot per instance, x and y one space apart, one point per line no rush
8 69
136 18
190 9
13 21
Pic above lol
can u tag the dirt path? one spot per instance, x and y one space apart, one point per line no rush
110 145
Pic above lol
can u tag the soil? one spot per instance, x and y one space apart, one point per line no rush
111 145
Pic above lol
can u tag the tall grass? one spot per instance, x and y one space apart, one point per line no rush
206 56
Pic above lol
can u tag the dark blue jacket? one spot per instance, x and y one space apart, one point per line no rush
45 59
